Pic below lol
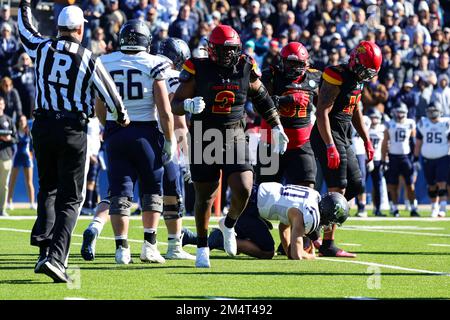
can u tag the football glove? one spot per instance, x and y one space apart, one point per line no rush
333 157
195 105
279 139
384 167
369 150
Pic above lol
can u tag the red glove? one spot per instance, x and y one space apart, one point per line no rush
369 150
333 157
301 98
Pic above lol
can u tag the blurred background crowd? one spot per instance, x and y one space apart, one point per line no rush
414 37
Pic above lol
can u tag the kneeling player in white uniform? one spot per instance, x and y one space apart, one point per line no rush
300 210
433 136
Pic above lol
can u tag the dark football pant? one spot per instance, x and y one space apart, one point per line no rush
377 177
60 147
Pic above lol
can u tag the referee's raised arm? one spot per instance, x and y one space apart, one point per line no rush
67 79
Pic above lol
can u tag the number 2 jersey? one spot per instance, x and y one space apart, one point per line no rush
224 90
134 75
296 119
399 135
275 200
435 137
348 99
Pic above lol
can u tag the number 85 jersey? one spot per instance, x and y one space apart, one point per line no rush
275 200
435 137
399 134
134 76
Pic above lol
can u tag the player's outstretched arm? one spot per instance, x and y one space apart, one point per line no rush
297 234
263 103
360 127
385 145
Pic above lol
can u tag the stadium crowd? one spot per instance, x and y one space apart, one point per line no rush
411 34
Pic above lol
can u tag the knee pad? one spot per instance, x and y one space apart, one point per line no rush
442 193
173 211
120 205
354 189
432 193
152 202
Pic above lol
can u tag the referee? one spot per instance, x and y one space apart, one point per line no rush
68 77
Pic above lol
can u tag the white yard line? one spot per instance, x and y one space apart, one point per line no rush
439 245
350 244
319 258
398 232
387 266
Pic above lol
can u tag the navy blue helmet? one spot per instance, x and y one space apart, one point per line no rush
176 50
334 209
135 36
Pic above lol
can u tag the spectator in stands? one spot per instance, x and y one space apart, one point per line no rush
58 5
163 33
93 10
266 9
98 45
409 97
13 105
392 91
443 64
399 70
8 49
163 12
290 24
317 54
277 18
252 13
374 95
414 25
184 27
22 159
198 11
233 20
173 6
442 94
5 17
423 71
354 37
261 42
272 56
8 137
199 41
333 57
24 81
346 23
111 22
424 91
395 40
140 11
406 52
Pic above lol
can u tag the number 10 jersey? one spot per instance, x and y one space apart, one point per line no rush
275 200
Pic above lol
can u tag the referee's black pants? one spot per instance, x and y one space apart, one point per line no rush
60 147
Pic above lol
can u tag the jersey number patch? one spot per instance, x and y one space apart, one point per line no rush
353 102
434 137
294 110
223 102
400 135
133 88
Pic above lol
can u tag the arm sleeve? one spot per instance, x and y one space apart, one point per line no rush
108 92
29 36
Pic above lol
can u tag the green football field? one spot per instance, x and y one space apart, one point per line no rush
397 258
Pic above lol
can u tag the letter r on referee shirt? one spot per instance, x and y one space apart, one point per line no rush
61 65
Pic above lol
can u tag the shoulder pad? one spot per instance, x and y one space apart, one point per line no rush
333 75
189 66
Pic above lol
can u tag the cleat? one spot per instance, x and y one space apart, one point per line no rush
435 213
188 237
202 258
338 254
55 271
150 253
441 214
175 251
229 238
38 266
10 206
88 245
317 243
414 213
123 255
395 213
215 240
4 214
379 214
361 214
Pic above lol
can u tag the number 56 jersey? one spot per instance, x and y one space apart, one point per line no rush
399 134
134 75
275 200
435 137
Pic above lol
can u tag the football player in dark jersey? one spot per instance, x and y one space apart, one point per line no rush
214 90
337 109
293 86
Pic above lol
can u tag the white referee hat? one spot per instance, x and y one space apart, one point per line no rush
71 17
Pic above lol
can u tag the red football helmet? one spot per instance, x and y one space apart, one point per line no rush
224 46
295 60
365 60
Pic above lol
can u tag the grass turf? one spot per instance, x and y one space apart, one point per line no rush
391 243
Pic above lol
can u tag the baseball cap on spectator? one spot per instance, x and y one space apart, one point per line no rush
443 76
5 7
404 37
257 25
396 29
408 83
274 44
423 5
333 51
164 26
380 28
336 36
255 4
435 44
250 44
71 17
216 15
6 26
399 7
340 46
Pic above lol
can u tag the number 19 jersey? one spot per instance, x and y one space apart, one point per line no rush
275 200
399 134
134 75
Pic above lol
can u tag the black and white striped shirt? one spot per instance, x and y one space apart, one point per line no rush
67 75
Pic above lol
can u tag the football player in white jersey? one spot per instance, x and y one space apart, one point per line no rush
397 136
360 152
433 134
299 210
176 51
376 135
138 152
